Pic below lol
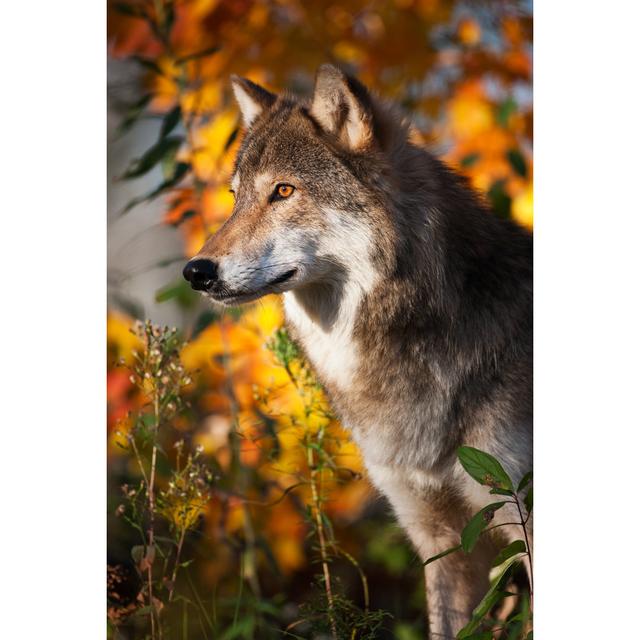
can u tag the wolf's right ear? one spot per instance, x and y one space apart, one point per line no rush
342 106
252 98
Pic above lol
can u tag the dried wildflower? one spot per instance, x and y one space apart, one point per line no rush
186 495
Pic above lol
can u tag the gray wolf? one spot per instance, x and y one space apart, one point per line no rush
411 300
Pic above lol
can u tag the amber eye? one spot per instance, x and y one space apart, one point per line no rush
283 191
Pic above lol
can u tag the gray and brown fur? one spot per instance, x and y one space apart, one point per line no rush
412 301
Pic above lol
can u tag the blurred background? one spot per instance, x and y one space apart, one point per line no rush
462 71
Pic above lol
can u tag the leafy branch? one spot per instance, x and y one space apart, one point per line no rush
488 471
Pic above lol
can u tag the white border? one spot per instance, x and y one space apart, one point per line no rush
587 324
53 319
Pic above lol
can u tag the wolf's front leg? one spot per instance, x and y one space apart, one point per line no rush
433 519
455 585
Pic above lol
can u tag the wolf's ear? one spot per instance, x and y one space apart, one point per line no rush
342 106
252 98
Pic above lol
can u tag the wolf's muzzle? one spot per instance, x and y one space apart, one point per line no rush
202 274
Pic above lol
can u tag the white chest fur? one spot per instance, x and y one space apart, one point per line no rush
324 320
331 349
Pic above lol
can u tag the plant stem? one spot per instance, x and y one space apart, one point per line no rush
239 598
174 575
526 541
149 482
152 511
363 577
314 481
321 539
251 572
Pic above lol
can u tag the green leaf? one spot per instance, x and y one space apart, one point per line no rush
231 139
129 306
204 320
505 110
166 262
150 159
484 468
170 121
189 213
490 599
148 64
268 607
477 524
133 113
526 479
406 631
488 602
521 620
516 160
240 628
148 420
469 160
500 200
480 635
180 291
180 171
199 54
169 19
128 10
283 347
528 500
517 546
328 525
501 492
442 554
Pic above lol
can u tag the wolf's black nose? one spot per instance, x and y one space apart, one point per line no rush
200 273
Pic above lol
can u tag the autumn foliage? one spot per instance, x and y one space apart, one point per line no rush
251 408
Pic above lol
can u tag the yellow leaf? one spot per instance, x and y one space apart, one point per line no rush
469 32
522 207
121 342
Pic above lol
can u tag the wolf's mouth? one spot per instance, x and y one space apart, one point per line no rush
287 275
231 297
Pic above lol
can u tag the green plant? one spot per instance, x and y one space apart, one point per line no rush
160 377
331 611
486 470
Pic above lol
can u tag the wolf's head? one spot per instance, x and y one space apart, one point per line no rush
310 183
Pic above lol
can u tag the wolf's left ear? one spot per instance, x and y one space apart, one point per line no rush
252 98
342 106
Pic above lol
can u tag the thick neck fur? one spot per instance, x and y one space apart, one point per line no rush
445 266
458 273
449 303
